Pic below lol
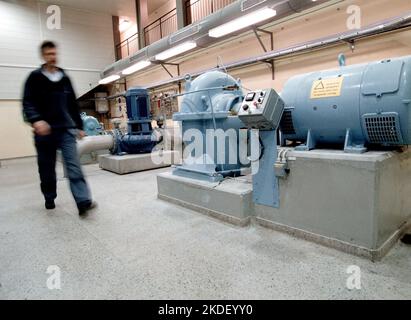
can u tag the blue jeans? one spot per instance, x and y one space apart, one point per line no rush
65 140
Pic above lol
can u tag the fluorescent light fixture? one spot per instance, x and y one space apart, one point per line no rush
136 67
242 22
109 79
181 48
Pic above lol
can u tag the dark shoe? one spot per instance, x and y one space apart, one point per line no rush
84 208
406 239
50 205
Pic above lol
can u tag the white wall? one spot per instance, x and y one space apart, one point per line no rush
162 10
16 141
86 46
85 40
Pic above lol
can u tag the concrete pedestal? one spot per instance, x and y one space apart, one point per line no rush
359 204
136 162
230 200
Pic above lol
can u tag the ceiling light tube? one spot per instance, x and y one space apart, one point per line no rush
172 52
242 22
136 67
109 79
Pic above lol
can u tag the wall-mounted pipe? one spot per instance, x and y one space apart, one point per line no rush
198 31
371 30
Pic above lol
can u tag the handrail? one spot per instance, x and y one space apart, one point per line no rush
161 18
127 41
161 24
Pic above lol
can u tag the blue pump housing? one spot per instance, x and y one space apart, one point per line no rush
138 111
211 101
139 138
91 125
358 106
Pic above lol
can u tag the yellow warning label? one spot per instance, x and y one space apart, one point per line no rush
327 88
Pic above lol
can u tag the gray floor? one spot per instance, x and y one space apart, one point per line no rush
137 247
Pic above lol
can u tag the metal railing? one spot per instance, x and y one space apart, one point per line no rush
127 47
199 9
162 27
168 24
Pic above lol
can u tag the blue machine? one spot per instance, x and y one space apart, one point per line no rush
355 106
138 111
139 138
210 102
214 101
91 125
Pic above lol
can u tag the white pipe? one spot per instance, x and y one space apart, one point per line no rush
94 143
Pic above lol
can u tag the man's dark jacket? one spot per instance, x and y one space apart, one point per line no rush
53 102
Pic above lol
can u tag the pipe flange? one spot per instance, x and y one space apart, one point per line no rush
114 134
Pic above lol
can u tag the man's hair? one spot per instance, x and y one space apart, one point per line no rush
47 45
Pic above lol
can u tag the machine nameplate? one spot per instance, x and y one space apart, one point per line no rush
327 88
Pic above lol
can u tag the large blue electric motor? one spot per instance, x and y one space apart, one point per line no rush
358 106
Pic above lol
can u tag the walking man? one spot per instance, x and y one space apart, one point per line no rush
50 105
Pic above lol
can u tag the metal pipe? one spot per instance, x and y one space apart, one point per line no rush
94 143
116 96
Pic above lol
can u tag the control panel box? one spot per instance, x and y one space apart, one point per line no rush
262 109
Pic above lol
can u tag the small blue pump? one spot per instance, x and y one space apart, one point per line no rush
140 138
91 125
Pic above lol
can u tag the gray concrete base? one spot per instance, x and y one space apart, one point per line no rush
136 162
371 254
229 201
359 204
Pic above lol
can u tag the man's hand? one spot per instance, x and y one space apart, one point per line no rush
81 134
41 128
